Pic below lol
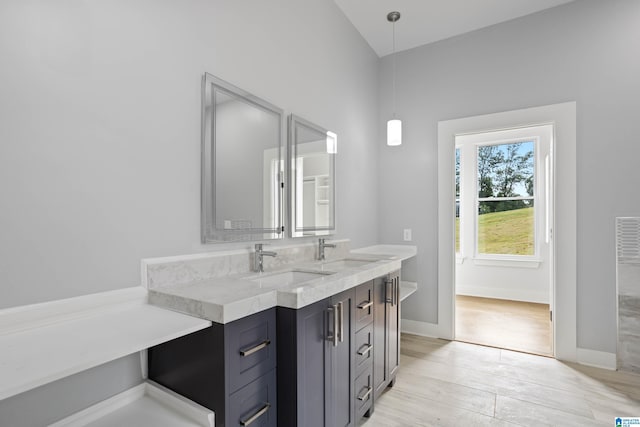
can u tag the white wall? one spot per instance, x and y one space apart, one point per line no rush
100 134
584 52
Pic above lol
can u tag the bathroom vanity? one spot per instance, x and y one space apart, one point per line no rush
309 343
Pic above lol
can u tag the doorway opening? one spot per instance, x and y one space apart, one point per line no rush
504 264
564 212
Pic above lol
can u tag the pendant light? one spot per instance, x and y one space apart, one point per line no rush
394 126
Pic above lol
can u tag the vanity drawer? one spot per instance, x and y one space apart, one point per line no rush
251 348
364 393
255 404
364 305
364 349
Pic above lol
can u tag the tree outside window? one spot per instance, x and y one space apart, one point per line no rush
506 192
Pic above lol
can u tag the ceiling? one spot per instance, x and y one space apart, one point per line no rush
427 21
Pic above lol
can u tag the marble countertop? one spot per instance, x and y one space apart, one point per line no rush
225 299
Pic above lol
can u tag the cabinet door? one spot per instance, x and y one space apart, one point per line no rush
393 326
341 361
379 335
311 336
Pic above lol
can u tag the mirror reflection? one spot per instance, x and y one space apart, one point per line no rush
312 151
243 166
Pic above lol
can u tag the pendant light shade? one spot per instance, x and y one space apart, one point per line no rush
394 126
332 143
394 132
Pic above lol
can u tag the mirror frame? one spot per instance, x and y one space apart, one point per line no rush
211 234
297 230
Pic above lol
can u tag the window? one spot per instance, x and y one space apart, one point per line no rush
501 196
506 195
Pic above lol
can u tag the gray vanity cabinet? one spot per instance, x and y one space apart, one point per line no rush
386 331
228 368
316 363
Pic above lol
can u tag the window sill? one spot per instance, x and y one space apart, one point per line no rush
508 262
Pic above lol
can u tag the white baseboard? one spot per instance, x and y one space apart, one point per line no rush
424 329
598 359
502 293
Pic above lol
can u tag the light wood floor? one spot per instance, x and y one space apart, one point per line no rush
449 383
514 325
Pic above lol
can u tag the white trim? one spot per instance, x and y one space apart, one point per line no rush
424 329
563 117
528 262
598 359
513 294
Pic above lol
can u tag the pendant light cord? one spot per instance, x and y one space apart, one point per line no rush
394 69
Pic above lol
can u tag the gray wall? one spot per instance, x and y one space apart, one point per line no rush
585 51
100 136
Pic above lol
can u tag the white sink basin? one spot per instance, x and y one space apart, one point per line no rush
288 278
344 264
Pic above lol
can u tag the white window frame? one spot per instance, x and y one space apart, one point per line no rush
468 145
536 203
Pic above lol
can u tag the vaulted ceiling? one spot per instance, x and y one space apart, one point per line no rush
427 21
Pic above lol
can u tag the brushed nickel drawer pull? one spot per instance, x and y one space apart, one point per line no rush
341 318
333 337
255 416
250 351
365 396
368 348
365 305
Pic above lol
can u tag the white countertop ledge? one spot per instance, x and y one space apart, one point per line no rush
225 299
401 252
45 342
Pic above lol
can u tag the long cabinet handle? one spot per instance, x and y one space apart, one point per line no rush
366 394
366 350
365 305
333 337
395 290
250 351
341 308
387 284
255 416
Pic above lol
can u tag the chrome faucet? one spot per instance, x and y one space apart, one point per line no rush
257 258
321 246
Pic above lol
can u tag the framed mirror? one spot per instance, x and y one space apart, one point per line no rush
242 165
312 152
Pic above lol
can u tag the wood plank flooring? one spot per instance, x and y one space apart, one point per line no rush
449 383
514 325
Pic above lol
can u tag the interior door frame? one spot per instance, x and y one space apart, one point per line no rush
564 205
